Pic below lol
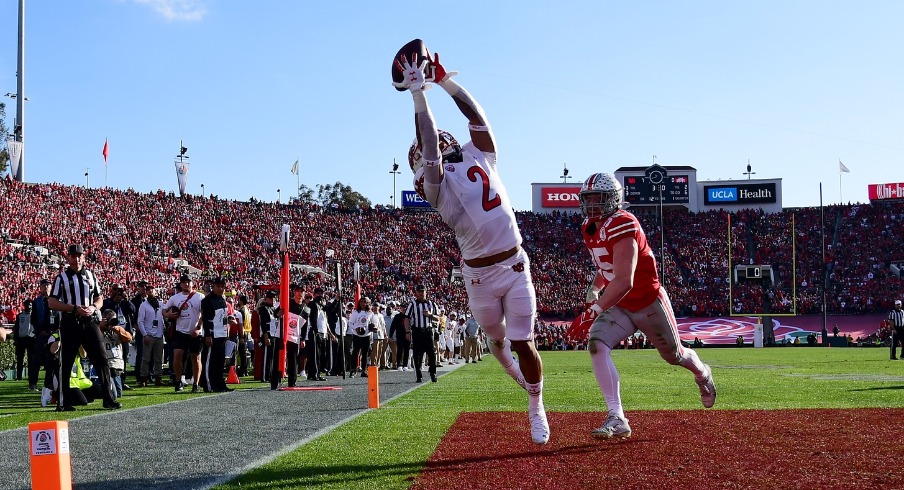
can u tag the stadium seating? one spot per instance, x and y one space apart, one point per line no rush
133 236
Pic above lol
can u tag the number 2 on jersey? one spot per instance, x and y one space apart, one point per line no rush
488 204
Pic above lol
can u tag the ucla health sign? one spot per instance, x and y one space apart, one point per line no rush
740 194
410 199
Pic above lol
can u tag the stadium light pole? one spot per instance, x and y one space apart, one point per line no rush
278 195
394 172
86 176
565 175
748 173
202 190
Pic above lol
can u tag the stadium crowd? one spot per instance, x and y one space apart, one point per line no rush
154 237
131 236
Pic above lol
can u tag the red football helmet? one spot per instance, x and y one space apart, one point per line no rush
448 148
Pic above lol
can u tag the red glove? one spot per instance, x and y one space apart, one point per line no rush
438 71
580 327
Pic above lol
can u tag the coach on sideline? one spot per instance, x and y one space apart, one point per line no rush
77 295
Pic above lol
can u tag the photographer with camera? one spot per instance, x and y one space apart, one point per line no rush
114 335
76 294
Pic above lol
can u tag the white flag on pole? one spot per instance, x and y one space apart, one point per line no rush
842 168
182 176
15 152
295 168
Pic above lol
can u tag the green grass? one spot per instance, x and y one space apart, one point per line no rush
19 407
386 448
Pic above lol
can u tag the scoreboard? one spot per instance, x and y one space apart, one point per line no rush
641 190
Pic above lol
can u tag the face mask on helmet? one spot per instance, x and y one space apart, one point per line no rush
448 148
601 195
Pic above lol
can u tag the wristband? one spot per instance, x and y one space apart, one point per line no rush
597 308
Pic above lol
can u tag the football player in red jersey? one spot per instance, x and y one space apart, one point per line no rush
632 298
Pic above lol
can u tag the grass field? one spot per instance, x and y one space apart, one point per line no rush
387 448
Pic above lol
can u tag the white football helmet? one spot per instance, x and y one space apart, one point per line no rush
448 148
601 195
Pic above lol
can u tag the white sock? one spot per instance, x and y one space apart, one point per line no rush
607 378
507 360
691 361
534 394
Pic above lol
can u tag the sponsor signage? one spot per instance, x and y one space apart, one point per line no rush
410 199
740 194
880 192
561 197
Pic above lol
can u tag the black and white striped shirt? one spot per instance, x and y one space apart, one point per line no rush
418 312
75 288
897 317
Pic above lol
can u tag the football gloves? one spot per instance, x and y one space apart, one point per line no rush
413 75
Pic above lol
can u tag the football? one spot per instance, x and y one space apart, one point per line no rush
415 47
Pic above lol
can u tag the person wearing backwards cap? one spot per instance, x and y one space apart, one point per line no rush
77 295
896 320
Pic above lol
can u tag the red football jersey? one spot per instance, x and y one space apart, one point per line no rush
601 234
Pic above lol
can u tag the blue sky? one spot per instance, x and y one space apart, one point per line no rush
793 86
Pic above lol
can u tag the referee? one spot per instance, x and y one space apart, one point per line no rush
896 320
77 295
421 314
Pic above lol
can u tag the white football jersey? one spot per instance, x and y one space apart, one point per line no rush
473 202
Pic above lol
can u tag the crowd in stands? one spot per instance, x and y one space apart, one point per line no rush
131 236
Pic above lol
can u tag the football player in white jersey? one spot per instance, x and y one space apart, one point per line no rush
461 182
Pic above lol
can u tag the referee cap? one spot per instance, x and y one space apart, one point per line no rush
76 249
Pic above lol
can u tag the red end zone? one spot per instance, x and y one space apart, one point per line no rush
804 449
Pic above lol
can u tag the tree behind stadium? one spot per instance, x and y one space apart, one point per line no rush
342 196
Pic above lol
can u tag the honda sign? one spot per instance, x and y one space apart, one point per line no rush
561 197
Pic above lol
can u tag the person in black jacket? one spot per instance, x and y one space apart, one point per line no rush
298 307
271 333
402 338
316 338
216 320
333 309
45 321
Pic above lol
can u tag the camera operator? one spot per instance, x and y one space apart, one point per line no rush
114 336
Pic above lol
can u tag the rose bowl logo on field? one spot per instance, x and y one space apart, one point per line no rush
561 197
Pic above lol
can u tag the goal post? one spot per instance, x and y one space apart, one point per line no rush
760 273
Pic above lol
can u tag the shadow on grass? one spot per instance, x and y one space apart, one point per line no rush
877 388
349 474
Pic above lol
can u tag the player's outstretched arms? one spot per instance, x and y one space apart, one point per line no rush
481 135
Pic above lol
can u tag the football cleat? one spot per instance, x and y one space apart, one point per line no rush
614 426
707 388
539 427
